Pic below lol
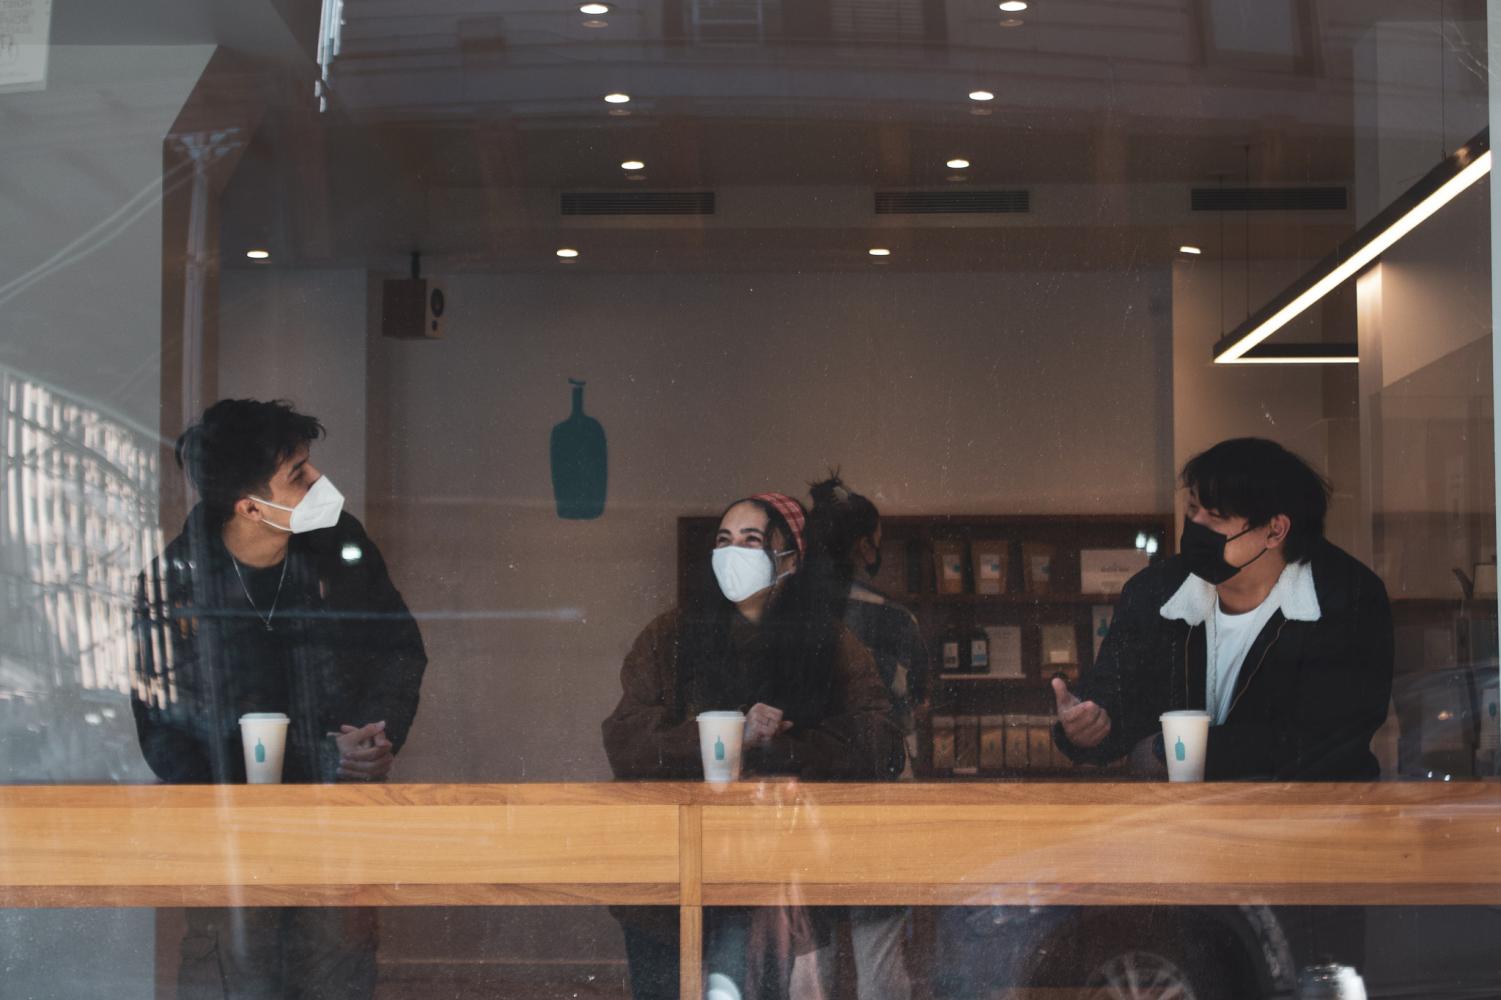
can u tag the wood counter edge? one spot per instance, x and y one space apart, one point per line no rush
1483 793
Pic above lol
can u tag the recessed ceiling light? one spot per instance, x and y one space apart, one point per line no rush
567 253
258 254
1190 249
1009 6
617 98
595 22
604 8
958 163
879 252
981 95
633 165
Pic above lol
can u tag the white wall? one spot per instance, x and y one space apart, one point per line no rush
1419 96
1436 287
1299 406
1426 400
299 335
1001 393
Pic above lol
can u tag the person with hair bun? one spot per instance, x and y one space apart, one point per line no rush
844 544
760 636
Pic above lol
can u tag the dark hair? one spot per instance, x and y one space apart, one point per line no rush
800 638
839 519
1258 479
236 447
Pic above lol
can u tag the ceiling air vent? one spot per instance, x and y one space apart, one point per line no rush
1292 199
934 202
638 203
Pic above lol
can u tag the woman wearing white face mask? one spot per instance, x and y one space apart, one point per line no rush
760 638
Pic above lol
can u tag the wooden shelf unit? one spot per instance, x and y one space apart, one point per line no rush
908 575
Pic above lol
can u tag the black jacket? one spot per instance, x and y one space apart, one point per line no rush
343 649
1309 696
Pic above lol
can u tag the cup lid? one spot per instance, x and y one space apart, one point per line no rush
264 717
1186 713
715 716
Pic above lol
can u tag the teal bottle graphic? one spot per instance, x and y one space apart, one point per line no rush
260 752
1179 751
718 748
580 463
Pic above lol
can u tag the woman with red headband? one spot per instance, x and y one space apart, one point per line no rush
763 639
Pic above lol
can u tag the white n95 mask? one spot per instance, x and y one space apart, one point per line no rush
743 572
319 508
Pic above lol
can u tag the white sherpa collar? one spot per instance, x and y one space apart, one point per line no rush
1294 593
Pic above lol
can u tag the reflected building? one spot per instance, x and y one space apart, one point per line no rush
78 520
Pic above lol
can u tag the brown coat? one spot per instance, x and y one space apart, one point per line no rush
651 733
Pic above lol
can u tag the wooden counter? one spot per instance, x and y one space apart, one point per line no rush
689 845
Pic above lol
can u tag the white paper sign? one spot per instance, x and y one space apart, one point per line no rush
24 29
1005 650
1105 571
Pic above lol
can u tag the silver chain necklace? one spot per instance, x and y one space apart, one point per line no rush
265 619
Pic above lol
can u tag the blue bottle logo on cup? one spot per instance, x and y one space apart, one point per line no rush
718 749
260 752
1179 751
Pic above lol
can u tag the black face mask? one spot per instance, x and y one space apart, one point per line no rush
873 569
1204 551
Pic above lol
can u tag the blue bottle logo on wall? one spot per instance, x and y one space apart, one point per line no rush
580 463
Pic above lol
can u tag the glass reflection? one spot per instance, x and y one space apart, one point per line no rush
77 521
977 251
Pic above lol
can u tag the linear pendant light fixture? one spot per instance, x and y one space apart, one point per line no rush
1409 210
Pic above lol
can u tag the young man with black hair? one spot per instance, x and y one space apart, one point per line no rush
272 599
1285 639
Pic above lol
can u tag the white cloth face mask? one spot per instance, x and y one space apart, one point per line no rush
743 572
319 508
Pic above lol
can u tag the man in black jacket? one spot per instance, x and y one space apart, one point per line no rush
1284 638
272 599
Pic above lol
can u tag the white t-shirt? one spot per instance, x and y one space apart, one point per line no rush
1232 638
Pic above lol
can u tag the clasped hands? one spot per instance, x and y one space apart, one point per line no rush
365 753
763 723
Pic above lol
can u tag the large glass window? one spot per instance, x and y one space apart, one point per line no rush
494 423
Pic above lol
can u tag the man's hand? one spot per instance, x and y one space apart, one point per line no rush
762 723
1084 723
364 752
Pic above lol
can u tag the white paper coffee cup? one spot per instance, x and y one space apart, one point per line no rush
719 738
264 736
1185 741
